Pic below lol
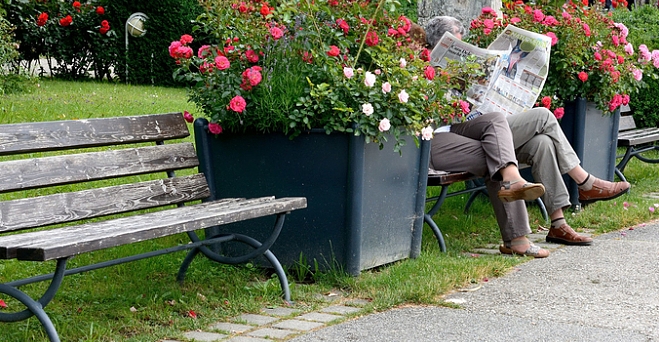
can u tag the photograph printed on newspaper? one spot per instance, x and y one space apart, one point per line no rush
515 68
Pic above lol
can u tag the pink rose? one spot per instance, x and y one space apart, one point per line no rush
276 33
464 106
629 49
638 74
403 96
625 99
597 56
515 20
488 10
222 63
187 116
369 79
586 29
214 128
173 48
538 16
237 104
559 112
553 37
386 87
402 62
426 133
488 23
348 72
384 125
367 109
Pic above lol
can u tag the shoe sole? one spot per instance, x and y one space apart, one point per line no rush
585 201
567 242
528 193
508 251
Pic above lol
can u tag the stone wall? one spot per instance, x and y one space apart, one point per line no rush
464 10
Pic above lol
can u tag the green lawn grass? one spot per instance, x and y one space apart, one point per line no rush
141 301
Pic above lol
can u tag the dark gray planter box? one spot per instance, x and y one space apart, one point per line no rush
594 137
365 205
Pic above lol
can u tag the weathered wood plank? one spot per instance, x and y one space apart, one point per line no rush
66 169
449 178
57 135
638 136
69 241
66 207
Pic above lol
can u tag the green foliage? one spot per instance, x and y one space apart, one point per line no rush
147 60
290 66
645 26
74 36
9 82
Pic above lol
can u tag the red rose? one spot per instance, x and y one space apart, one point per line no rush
76 5
243 7
252 56
187 116
425 55
333 51
66 21
237 104
214 128
343 25
265 10
429 73
559 112
546 102
186 39
100 10
583 76
103 30
43 18
371 38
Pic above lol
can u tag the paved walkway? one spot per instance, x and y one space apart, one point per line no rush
605 292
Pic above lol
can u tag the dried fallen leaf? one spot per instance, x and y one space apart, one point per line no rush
132 309
171 302
201 296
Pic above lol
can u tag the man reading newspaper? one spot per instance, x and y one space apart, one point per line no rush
514 83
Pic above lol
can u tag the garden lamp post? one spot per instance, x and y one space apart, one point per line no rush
135 28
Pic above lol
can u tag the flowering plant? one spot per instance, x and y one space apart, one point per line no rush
345 66
590 55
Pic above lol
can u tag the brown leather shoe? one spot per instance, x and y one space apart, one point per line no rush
603 190
567 236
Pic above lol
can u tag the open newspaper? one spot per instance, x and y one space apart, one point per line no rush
515 67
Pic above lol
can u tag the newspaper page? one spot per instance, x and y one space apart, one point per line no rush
513 78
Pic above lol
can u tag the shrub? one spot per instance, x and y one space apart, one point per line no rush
643 20
72 34
9 82
148 61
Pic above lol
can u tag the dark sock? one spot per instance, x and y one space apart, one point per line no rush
556 223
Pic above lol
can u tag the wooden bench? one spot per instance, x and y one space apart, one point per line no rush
635 141
141 176
474 186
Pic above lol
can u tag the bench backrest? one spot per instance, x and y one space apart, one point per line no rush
48 156
626 123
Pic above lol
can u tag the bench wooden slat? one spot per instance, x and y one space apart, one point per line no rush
638 136
67 169
449 178
69 241
56 135
66 207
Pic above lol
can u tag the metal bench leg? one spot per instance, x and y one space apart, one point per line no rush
543 209
625 159
431 223
36 307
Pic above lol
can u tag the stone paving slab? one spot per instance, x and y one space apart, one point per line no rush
248 339
280 312
231 328
203 336
340 309
319 317
272 333
255 319
296 324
